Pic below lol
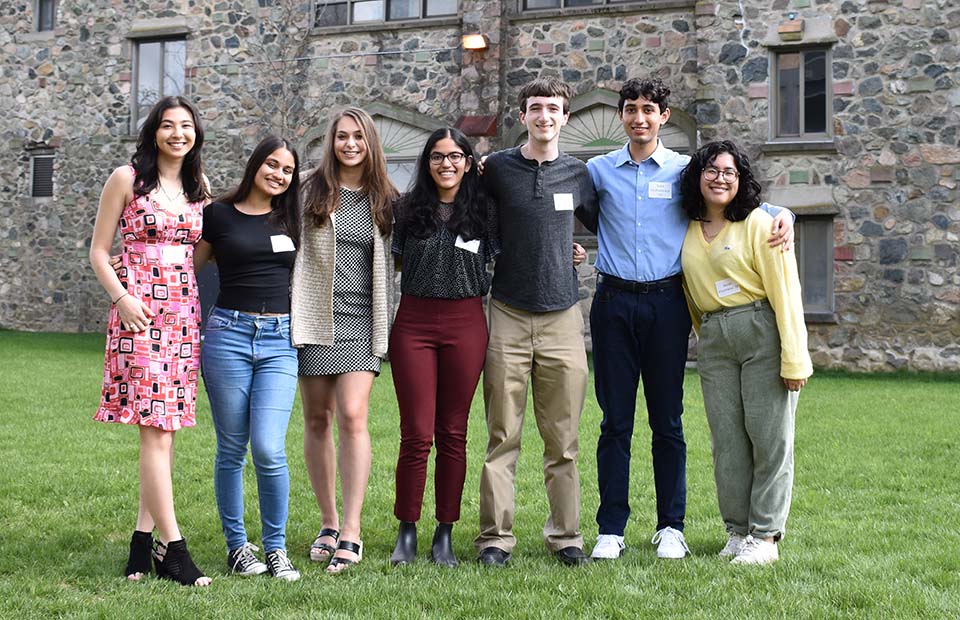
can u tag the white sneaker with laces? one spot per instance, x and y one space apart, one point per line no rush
670 544
756 552
732 548
280 565
608 547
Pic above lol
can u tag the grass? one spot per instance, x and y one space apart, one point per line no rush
873 533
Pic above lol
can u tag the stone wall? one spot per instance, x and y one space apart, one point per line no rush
890 173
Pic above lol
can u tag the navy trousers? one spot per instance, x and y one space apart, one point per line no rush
640 334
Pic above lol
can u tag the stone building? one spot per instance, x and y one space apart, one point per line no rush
850 109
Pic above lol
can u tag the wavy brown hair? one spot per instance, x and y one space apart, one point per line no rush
322 185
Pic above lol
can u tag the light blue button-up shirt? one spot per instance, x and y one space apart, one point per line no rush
642 225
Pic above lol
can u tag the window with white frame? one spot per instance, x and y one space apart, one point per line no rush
800 94
41 176
814 244
341 13
45 12
159 71
538 5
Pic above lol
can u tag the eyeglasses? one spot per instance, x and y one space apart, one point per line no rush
455 158
729 175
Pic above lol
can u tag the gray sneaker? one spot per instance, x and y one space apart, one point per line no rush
242 561
280 565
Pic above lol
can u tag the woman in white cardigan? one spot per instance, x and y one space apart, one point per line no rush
340 315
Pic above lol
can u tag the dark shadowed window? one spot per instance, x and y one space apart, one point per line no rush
347 12
814 245
801 94
46 14
41 176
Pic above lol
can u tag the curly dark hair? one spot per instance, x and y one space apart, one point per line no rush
652 89
144 159
748 193
418 207
286 206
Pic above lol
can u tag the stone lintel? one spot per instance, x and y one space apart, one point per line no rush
159 27
816 30
805 200
799 146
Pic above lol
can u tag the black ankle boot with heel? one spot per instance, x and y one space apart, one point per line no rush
173 562
406 550
441 551
138 562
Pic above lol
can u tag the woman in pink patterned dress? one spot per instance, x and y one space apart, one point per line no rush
153 335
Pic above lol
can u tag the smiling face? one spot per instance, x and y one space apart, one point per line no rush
348 143
176 134
446 174
543 118
642 120
274 174
721 190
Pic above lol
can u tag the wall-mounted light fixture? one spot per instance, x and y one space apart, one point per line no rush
475 42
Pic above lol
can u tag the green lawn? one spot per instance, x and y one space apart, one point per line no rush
874 531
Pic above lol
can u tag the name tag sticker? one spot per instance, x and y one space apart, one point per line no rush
173 254
656 189
563 202
727 287
472 246
282 243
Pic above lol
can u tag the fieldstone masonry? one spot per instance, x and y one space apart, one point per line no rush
888 176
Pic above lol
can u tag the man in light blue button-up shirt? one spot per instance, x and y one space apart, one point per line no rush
639 320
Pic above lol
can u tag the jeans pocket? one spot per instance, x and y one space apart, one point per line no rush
218 322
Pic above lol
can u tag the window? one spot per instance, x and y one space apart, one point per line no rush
159 71
45 12
814 246
41 176
534 5
801 94
372 11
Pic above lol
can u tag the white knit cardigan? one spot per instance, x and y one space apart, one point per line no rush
311 302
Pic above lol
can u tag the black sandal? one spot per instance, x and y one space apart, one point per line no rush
322 551
141 549
175 563
338 565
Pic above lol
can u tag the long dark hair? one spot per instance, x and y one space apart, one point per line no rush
144 160
286 206
418 207
322 186
748 193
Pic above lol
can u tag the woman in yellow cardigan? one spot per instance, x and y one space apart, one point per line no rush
744 298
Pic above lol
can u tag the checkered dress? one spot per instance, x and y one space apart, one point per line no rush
352 292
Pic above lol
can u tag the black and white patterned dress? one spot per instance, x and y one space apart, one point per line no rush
352 292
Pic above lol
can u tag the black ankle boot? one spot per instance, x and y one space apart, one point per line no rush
406 549
141 546
441 552
173 562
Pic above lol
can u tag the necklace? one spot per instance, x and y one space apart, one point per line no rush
169 198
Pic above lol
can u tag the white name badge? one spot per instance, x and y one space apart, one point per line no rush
656 189
727 287
282 243
470 246
173 254
563 202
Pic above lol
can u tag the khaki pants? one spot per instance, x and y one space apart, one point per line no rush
547 347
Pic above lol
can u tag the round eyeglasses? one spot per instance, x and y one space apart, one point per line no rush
455 157
729 175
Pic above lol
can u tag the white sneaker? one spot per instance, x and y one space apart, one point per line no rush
670 544
755 551
732 548
608 547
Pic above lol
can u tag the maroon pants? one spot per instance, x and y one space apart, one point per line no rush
437 348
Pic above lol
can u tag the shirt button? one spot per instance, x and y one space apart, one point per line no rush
638 223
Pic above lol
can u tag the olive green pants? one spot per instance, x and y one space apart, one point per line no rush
751 417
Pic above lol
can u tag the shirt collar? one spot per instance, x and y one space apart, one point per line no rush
659 156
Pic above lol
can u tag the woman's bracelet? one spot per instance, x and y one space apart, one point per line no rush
114 302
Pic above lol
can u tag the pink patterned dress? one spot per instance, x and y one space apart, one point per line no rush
150 377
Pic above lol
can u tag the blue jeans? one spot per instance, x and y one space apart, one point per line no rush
250 372
640 335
